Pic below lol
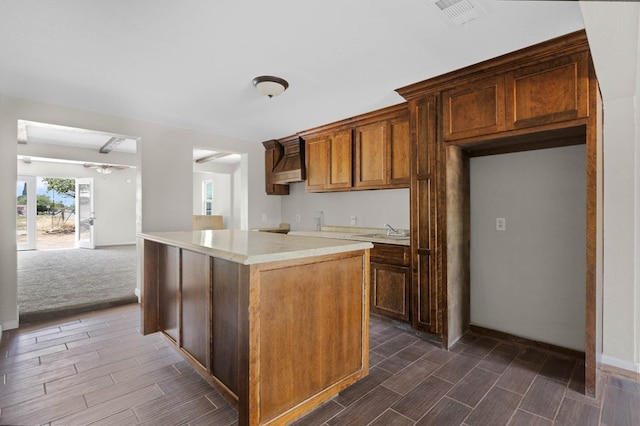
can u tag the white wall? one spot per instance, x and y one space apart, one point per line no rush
530 279
372 208
114 198
613 30
164 170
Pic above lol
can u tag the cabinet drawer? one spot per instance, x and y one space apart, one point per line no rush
390 254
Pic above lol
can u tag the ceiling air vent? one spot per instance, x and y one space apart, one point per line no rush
457 12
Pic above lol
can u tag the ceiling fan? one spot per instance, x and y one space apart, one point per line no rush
104 168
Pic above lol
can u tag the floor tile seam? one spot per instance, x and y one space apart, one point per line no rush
30 381
522 398
438 402
20 419
25 358
173 408
44 346
599 405
382 414
26 400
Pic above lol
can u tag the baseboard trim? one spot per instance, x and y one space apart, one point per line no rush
9 325
524 341
621 367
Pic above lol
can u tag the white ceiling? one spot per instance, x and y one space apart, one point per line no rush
191 63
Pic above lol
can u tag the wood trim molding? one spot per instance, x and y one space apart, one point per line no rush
500 335
565 45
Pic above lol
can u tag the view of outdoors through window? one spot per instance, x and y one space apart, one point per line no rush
55 207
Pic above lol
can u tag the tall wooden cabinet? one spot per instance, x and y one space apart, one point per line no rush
425 187
539 97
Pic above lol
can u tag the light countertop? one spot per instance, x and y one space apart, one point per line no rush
250 247
374 235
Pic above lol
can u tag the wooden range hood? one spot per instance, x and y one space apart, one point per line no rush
290 168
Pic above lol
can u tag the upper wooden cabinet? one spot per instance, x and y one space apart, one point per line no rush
474 109
548 92
381 154
328 161
370 151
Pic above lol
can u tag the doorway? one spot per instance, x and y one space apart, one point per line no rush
107 274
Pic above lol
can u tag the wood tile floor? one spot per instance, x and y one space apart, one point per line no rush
96 369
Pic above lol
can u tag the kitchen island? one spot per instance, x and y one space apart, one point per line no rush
277 323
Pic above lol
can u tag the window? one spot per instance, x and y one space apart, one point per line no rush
207 197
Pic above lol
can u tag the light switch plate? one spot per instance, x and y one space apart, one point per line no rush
501 224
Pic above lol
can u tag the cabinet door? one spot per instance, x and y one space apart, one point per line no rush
196 298
371 144
169 290
390 291
552 91
399 152
340 162
317 163
474 109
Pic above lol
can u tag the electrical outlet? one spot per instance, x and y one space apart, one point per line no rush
353 220
298 218
264 217
501 224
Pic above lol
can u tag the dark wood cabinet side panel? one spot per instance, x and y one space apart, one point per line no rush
224 358
196 282
169 291
149 290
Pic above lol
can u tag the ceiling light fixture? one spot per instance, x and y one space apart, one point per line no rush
269 85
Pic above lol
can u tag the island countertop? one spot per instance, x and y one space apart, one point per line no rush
251 247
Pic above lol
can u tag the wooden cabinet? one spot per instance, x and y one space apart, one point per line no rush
548 92
328 161
195 331
370 151
381 153
473 109
276 337
169 291
539 97
274 152
391 281
424 213
533 95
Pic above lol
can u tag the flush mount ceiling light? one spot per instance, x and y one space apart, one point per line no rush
269 85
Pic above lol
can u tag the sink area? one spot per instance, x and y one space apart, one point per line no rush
390 236
374 235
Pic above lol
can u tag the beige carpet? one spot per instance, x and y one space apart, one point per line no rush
56 283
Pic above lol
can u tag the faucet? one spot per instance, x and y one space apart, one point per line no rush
391 230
